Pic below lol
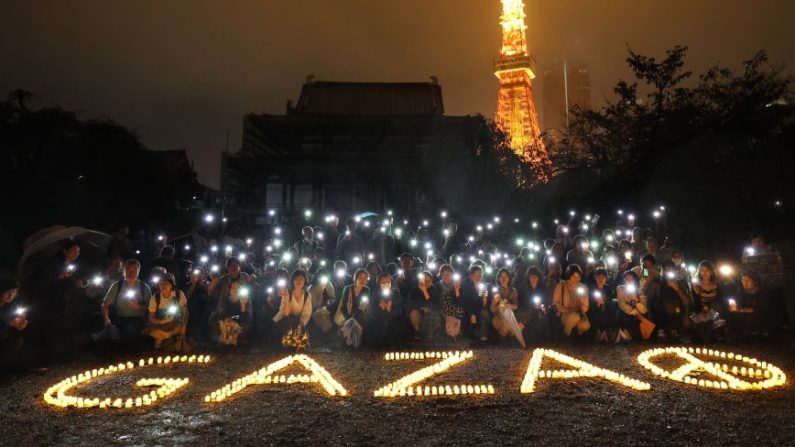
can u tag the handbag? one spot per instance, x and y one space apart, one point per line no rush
646 327
339 318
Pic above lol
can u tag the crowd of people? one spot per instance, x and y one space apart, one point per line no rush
383 283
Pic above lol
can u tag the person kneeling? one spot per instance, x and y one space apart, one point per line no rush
231 322
168 312
571 302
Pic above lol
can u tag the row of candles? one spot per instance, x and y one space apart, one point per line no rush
404 386
763 374
773 376
583 369
56 395
266 376
419 355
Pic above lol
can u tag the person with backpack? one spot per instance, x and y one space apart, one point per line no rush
124 307
168 312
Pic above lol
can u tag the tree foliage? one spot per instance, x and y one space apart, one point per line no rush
719 146
56 168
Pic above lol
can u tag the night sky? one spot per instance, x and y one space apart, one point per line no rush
183 73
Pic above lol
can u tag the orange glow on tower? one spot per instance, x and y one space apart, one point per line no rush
516 110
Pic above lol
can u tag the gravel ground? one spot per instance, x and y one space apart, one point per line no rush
583 411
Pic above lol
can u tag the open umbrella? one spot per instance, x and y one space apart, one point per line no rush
46 243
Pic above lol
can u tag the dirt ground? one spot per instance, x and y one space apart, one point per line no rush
582 411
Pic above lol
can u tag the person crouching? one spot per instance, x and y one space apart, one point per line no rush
168 312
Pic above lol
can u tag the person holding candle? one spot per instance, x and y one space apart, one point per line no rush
200 305
220 285
579 253
571 302
168 312
649 287
476 300
305 248
450 301
406 278
503 307
533 304
556 255
350 245
48 290
601 312
14 354
323 304
381 331
707 302
673 302
231 322
124 307
423 304
352 305
296 303
631 308
748 309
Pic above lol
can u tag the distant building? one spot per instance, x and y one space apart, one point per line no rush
565 85
349 146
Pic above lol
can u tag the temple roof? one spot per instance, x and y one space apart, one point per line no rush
363 98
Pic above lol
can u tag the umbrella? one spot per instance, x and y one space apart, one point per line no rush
509 319
46 243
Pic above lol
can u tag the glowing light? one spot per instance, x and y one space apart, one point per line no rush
98 280
266 375
57 396
209 218
583 369
759 376
404 387
725 270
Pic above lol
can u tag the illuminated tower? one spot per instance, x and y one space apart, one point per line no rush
516 110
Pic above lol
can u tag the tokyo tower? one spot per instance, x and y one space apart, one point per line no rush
516 110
